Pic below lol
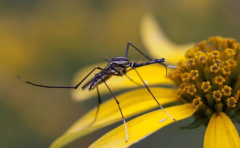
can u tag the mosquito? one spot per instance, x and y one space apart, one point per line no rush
118 66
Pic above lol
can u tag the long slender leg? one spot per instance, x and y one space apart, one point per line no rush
132 80
136 49
140 59
99 102
107 59
124 122
153 96
73 87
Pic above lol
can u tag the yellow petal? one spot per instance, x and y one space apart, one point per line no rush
132 103
151 74
221 133
143 126
158 44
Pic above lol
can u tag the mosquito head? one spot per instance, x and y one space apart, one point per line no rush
121 61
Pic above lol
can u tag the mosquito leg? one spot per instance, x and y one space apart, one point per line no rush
132 80
99 102
136 49
124 122
107 59
153 95
140 59
73 87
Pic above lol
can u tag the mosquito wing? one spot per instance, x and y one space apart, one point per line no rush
89 82
95 81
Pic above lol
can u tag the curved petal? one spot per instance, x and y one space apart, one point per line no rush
151 74
221 132
132 103
143 126
158 44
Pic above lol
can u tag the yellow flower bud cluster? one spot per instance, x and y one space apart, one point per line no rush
209 76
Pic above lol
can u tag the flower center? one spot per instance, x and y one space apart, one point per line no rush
209 77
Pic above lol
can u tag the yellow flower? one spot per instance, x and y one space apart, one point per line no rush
208 86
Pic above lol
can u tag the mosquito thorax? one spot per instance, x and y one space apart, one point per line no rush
120 61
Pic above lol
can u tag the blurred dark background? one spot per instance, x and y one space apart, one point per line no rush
48 41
